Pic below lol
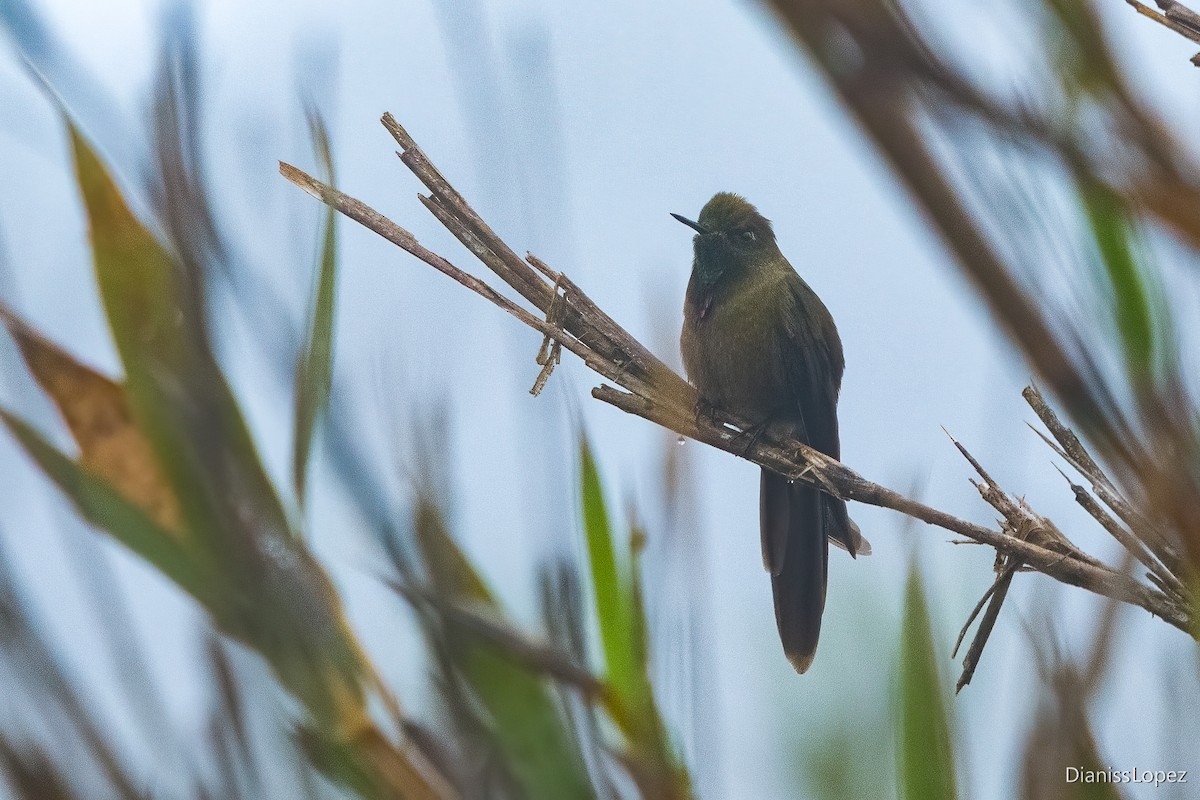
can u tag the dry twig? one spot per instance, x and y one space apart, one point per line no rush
1175 16
656 393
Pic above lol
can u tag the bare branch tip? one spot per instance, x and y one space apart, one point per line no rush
290 172
649 389
302 179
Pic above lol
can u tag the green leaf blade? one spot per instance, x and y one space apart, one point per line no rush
614 602
137 280
314 373
178 394
103 506
926 748
273 594
1127 279
522 718
527 726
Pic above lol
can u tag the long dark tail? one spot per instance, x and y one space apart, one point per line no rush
795 542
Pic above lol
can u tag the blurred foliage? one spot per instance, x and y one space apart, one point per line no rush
988 161
232 549
314 372
168 468
927 765
507 725
622 620
1129 294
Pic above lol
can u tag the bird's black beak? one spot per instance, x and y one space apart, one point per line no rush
693 225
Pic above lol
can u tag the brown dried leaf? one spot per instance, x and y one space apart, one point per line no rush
97 413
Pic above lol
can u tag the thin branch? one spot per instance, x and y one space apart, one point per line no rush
800 462
372 220
1022 521
610 340
1178 18
656 393
1077 455
962 634
998 591
1127 539
1072 449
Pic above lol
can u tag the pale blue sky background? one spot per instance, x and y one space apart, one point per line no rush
575 128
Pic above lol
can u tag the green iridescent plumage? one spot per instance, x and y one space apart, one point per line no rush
758 342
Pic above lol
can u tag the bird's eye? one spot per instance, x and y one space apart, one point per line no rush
748 236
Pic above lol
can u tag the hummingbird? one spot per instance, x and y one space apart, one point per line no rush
758 343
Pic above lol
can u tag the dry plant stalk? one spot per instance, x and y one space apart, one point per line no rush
1177 17
651 390
892 78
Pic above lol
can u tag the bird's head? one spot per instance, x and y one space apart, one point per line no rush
731 238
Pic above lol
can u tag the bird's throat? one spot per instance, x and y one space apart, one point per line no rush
703 291
710 265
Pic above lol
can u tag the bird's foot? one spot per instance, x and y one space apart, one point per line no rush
706 412
752 436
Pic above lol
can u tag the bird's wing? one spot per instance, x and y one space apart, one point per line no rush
814 362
